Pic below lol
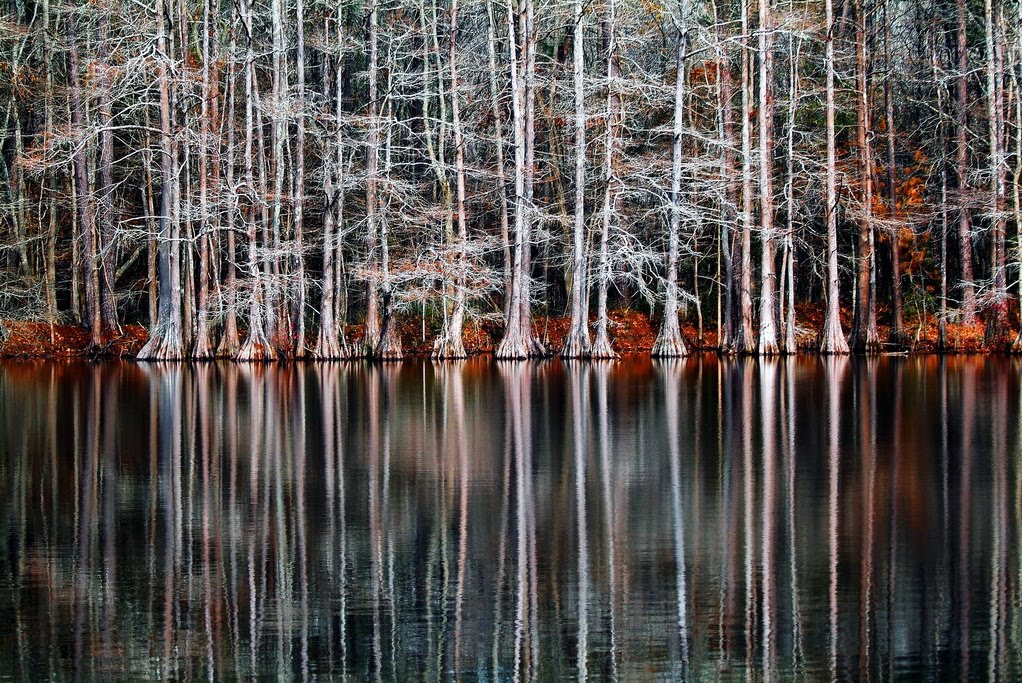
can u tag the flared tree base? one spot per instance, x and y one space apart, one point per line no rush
832 339
518 344
448 348
165 343
204 348
997 336
602 348
256 349
576 344
330 347
669 343
389 348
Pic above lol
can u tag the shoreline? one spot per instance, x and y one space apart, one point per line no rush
633 334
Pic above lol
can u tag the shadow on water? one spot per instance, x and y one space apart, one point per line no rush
828 518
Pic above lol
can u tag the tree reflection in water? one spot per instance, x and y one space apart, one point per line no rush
524 521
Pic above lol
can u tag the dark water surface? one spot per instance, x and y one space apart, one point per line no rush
521 521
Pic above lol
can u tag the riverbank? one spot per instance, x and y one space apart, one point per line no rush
633 333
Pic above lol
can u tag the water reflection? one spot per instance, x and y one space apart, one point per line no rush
515 521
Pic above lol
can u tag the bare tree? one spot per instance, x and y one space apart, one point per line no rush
669 342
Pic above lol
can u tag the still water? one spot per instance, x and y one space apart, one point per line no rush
812 518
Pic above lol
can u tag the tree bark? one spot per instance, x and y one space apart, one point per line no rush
204 344
897 335
256 346
865 337
768 278
746 342
518 341
997 313
670 343
371 336
832 339
577 341
83 193
165 334
106 234
602 346
449 344
968 307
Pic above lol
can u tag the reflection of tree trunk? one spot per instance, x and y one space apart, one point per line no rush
835 368
892 531
790 468
672 384
964 574
607 478
579 414
461 440
375 530
748 500
867 439
516 391
999 533
768 551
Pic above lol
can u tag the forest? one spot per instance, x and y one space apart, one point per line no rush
278 179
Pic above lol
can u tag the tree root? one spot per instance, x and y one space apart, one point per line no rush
576 343
164 343
256 349
669 343
602 348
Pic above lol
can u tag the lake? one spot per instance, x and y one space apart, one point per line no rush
635 520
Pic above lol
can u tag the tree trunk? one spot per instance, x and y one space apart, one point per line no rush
165 334
968 308
832 339
897 335
329 345
865 336
788 343
518 341
768 278
602 346
449 344
83 194
106 235
942 340
746 342
389 346
230 342
577 341
299 194
498 134
204 344
373 328
997 313
256 346
279 326
670 343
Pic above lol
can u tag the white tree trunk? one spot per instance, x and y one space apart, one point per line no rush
576 343
833 338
